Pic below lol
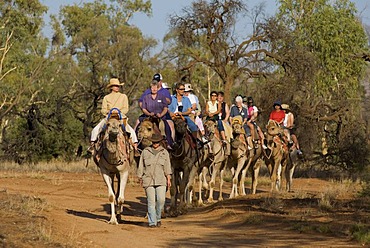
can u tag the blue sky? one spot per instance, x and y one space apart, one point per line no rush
157 25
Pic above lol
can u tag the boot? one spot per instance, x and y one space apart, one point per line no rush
197 141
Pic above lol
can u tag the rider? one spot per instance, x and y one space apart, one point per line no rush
117 100
213 108
277 114
195 107
289 127
155 104
181 106
225 110
239 110
252 116
161 91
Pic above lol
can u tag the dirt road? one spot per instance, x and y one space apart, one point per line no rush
77 213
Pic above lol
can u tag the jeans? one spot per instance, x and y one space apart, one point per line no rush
191 124
156 196
247 130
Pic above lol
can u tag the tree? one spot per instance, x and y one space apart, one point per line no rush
322 77
205 35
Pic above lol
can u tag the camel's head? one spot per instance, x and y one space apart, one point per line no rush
180 126
146 129
113 128
237 125
210 127
273 128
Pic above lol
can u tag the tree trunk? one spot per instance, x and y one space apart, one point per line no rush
228 86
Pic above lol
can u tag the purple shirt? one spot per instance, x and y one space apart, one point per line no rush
161 91
156 105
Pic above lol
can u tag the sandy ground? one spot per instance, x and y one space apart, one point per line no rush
77 213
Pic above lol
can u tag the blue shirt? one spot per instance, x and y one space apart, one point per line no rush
234 111
185 102
161 91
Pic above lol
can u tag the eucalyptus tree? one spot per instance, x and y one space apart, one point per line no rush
322 77
205 34
102 44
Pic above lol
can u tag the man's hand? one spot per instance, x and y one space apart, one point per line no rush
152 114
159 115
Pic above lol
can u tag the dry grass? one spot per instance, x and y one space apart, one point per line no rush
72 167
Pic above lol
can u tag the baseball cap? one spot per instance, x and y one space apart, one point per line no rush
157 77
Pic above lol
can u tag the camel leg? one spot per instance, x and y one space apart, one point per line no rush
212 183
273 175
173 191
278 177
255 172
108 181
200 200
242 179
220 198
239 167
122 186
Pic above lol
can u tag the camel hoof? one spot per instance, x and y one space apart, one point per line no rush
113 222
220 199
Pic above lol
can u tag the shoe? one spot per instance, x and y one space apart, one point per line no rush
299 152
224 142
91 148
199 144
264 147
204 140
159 224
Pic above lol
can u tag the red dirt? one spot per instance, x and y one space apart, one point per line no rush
78 212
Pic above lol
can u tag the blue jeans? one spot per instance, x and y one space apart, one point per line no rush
156 196
192 126
247 130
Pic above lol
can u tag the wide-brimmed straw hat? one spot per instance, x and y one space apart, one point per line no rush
156 137
114 82
285 106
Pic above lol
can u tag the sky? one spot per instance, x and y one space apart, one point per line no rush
157 25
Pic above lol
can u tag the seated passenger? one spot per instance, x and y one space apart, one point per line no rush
155 105
213 108
117 100
181 106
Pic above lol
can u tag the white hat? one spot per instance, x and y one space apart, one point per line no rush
238 99
166 86
188 87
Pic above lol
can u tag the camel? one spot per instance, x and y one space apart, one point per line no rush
278 156
219 160
114 161
183 158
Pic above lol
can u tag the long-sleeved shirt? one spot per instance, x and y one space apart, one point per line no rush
115 100
154 167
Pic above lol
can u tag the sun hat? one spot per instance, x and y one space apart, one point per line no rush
278 103
188 87
114 82
157 77
166 86
156 137
285 106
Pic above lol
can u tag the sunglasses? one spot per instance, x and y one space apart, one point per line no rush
213 95
182 89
